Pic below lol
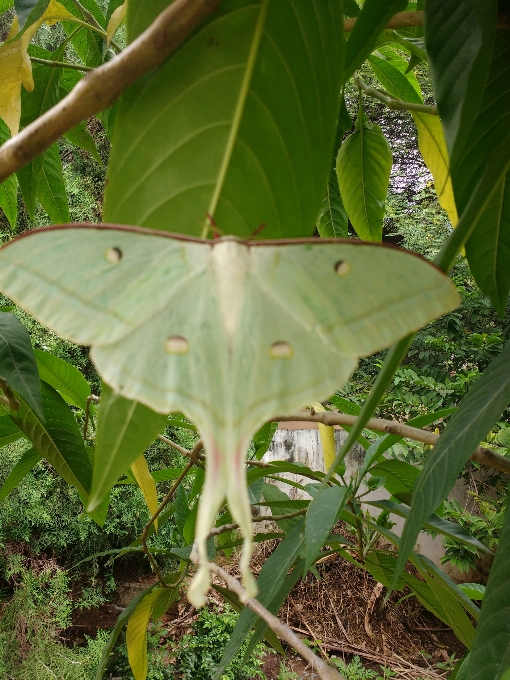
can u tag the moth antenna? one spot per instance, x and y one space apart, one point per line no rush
258 230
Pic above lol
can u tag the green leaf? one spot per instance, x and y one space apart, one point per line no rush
33 104
166 596
371 21
51 190
112 6
332 221
188 530
136 634
475 591
488 248
393 80
271 578
363 167
64 377
27 461
125 429
5 5
321 516
490 656
123 618
9 187
263 438
24 8
351 8
278 68
435 523
475 416
58 439
17 362
399 478
9 431
146 483
281 504
181 508
80 136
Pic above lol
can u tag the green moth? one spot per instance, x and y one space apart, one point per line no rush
229 332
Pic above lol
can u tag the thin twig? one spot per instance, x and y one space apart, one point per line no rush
216 531
283 631
100 88
480 455
392 102
175 446
10 398
143 539
61 64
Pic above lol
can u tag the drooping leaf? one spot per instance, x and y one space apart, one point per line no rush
395 81
9 431
80 136
332 221
116 18
181 508
327 436
9 187
125 429
432 147
136 634
263 438
435 523
51 190
17 362
321 516
145 481
475 416
271 578
58 439
278 67
64 377
399 477
27 461
121 621
490 656
166 596
475 591
363 167
488 248
372 19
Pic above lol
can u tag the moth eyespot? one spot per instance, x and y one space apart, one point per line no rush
280 350
176 344
113 255
342 268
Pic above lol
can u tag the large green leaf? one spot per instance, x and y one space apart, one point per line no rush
17 361
369 24
271 578
259 153
393 80
321 516
125 429
33 104
58 439
64 377
51 190
477 413
9 431
5 5
27 461
9 187
363 167
488 248
490 656
399 477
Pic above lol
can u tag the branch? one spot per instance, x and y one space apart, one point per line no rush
400 20
61 64
392 102
101 87
216 531
324 671
480 455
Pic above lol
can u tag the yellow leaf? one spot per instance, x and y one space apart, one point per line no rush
432 145
16 67
116 19
327 435
147 485
136 634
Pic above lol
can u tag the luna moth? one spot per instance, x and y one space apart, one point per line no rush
228 332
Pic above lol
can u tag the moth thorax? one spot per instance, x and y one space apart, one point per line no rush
231 261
